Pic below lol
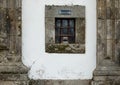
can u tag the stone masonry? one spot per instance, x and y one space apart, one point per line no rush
12 71
107 72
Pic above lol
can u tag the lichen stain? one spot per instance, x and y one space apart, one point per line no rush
40 72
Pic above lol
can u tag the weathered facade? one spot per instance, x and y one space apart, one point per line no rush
107 72
12 71
65 29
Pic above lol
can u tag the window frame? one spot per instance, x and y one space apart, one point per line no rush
68 30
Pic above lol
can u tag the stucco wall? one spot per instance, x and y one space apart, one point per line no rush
56 66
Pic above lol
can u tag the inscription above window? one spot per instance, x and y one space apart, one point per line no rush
65 12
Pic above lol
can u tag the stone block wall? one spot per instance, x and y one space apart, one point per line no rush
12 71
60 82
107 71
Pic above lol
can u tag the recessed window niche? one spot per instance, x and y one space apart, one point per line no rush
65 29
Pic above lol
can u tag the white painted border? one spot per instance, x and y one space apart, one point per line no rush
56 66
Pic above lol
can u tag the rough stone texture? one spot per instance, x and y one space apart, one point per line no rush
60 82
14 83
77 12
65 48
80 31
12 71
107 71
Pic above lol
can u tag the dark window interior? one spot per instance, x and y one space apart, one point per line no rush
65 30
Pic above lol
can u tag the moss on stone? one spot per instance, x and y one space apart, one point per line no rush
62 48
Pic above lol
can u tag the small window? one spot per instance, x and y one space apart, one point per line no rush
64 30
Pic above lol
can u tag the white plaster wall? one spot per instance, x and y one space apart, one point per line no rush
56 66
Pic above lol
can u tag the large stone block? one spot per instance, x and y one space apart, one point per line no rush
107 80
60 82
101 49
14 83
80 30
117 30
101 9
110 9
110 49
110 29
101 31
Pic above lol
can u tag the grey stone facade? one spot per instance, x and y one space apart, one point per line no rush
12 71
78 13
107 72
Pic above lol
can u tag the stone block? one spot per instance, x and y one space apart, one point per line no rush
53 11
109 80
101 31
14 83
14 77
101 9
110 49
13 68
110 9
101 50
60 82
80 30
101 83
65 48
117 52
117 30
110 29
